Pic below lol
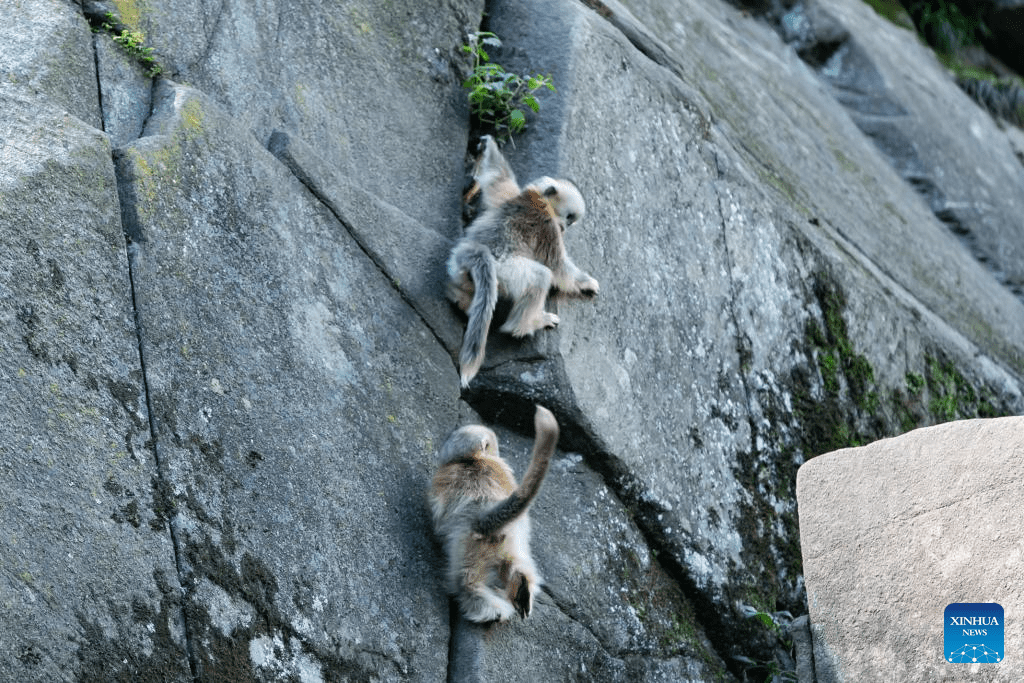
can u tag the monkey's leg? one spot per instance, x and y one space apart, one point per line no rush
495 178
460 291
527 283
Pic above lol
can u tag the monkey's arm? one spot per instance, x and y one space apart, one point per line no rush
569 279
546 429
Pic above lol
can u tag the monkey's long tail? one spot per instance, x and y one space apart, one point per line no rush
477 259
545 439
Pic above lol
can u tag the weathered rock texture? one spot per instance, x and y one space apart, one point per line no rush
895 531
228 361
940 146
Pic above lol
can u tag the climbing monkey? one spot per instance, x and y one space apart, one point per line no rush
480 517
514 249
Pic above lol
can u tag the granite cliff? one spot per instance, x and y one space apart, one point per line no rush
228 363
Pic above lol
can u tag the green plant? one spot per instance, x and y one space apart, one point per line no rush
893 11
498 98
772 669
133 43
945 25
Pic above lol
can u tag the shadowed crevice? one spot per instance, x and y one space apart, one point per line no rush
130 229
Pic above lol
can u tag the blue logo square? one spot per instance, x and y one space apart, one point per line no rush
973 633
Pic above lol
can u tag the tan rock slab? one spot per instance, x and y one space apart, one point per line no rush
895 531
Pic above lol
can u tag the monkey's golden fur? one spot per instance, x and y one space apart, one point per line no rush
480 516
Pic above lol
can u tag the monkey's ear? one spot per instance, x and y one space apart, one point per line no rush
550 191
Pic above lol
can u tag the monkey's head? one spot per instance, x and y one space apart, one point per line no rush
468 441
565 200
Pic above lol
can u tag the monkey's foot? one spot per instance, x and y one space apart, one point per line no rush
525 329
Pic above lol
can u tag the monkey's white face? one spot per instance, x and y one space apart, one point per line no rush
565 200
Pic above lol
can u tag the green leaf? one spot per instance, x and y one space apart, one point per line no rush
498 98
516 120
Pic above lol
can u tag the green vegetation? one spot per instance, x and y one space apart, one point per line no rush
498 98
852 408
769 628
945 26
133 43
838 400
950 28
941 23
893 11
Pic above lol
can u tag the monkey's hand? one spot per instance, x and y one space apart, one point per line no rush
589 288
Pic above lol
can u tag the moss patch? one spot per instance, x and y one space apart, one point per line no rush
893 11
153 657
667 616
131 11
839 402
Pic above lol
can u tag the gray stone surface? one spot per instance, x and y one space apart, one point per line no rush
88 584
943 144
800 632
712 223
384 232
47 49
373 86
771 289
627 618
297 401
895 531
125 91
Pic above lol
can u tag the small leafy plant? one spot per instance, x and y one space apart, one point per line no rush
133 43
497 98
945 26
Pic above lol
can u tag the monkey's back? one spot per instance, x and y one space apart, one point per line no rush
523 226
472 477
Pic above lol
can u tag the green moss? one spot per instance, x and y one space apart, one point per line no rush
838 363
192 119
131 11
844 161
915 383
952 397
679 632
667 616
841 403
893 11
156 168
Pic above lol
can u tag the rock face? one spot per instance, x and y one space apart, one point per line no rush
228 361
89 582
947 533
952 156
